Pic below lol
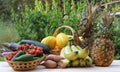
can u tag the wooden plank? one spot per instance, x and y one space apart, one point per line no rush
114 67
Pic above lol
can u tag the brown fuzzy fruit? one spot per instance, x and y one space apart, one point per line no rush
61 64
50 64
53 57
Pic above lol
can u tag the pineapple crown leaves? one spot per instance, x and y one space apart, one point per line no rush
106 25
87 22
107 19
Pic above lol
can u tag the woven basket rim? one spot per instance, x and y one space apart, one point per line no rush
27 65
42 58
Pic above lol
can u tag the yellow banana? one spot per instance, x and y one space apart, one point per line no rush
68 53
78 47
62 53
83 53
66 61
74 48
88 61
75 63
82 63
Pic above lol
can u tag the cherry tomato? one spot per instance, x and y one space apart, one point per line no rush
33 51
35 47
27 46
27 52
37 51
31 46
38 48
13 53
8 58
20 47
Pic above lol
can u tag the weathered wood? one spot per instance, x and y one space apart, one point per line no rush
114 67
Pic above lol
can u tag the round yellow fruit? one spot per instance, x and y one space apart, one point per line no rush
61 40
49 41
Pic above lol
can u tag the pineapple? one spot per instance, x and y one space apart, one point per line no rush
103 48
86 28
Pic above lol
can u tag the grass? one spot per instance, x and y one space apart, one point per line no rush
8 33
1 59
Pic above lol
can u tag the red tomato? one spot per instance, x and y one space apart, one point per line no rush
20 47
13 53
31 46
35 47
8 58
27 52
38 48
27 46
38 51
33 51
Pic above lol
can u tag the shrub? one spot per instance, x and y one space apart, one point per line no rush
116 38
45 18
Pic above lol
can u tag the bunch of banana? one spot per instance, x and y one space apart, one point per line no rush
74 56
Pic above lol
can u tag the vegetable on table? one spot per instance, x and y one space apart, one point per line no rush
45 48
27 52
53 57
25 57
50 64
61 64
19 53
11 46
54 61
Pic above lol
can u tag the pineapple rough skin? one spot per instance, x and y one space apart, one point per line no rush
103 52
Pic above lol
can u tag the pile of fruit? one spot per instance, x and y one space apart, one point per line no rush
75 56
70 54
56 42
54 61
60 40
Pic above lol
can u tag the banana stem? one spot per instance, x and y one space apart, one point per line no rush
71 41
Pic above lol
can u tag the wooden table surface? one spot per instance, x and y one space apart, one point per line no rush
114 67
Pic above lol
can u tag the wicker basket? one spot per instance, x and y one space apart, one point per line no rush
55 52
23 66
75 37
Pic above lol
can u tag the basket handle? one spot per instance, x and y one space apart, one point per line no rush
75 36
